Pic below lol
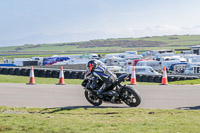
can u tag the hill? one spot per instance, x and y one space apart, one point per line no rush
111 45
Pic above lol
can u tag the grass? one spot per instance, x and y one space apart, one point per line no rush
172 42
24 79
97 120
186 82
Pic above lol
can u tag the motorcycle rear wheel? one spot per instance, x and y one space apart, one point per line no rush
93 99
131 96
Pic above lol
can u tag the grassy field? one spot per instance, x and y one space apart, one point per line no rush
24 79
172 42
98 120
95 49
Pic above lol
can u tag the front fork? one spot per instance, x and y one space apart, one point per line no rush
90 90
119 90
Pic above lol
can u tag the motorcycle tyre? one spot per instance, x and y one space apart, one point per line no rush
90 101
135 94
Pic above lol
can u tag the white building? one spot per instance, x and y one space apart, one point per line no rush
195 49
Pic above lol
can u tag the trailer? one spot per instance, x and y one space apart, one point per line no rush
168 64
193 70
24 62
132 57
115 61
178 67
53 60
119 55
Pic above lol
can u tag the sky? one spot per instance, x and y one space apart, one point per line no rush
59 21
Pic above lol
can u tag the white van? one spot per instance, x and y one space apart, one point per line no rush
19 61
192 70
39 59
142 70
156 65
93 56
115 69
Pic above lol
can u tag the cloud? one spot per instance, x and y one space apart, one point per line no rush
167 28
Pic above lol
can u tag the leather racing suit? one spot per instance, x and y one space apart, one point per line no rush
105 75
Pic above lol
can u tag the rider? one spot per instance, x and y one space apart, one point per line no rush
97 69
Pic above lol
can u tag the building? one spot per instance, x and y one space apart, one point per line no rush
195 49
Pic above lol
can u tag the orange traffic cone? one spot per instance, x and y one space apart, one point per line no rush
133 77
61 77
164 78
32 78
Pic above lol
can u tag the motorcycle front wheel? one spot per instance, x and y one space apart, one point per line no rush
93 99
130 96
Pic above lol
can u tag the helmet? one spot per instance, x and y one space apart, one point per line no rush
91 65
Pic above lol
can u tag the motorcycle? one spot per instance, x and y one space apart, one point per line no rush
116 93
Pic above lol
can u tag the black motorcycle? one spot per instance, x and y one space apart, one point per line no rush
116 93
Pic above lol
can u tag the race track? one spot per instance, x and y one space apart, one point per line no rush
71 96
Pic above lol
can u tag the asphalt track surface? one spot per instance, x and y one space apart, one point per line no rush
72 96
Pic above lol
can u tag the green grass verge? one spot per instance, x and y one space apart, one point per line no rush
101 120
24 79
186 82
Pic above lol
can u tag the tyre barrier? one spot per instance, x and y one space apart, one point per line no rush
5 71
190 78
24 72
170 78
42 73
74 75
36 73
176 78
49 74
81 75
67 74
151 78
11 71
158 79
144 78
55 74
17 71
196 77
183 78
138 78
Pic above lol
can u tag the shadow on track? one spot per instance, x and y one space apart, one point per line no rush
57 109
190 108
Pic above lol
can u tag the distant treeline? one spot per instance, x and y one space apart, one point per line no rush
119 43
